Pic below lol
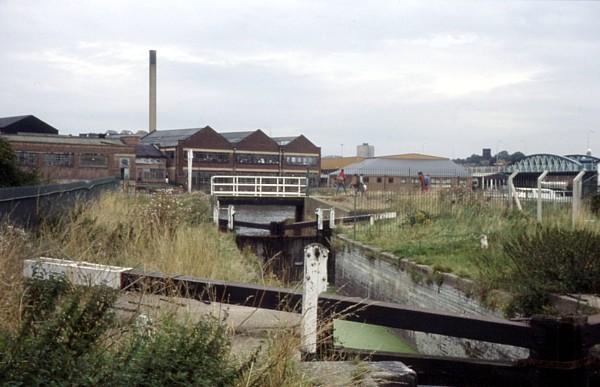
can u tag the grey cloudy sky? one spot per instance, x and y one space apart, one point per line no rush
445 77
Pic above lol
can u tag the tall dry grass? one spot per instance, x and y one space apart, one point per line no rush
163 232
15 245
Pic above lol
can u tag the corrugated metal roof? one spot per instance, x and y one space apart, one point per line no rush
405 167
58 139
414 156
5 121
235 137
169 137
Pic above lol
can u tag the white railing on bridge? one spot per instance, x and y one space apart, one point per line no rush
258 186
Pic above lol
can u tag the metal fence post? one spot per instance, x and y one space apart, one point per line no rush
189 167
539 198
577 190
354 216
315 282
512 194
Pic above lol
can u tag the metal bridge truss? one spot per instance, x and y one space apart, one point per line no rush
539 163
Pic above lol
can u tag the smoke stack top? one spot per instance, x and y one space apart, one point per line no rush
152 107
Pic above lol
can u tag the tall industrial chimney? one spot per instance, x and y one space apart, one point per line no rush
152 118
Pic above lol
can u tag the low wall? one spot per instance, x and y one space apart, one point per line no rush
28 205
364 271
312 203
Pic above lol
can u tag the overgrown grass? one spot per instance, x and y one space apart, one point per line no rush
171 234
449 241
163 232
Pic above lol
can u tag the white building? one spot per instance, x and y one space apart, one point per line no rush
365 150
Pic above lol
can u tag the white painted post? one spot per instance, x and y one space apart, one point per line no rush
577 192
189 169
230 216
512 194
319 213
315 282
539 197
371 220
216 212
332 218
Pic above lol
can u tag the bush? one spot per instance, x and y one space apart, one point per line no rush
10 174
552 260
69 336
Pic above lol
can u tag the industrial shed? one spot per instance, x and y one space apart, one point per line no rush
386 174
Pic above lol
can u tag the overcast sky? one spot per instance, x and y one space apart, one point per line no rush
445 78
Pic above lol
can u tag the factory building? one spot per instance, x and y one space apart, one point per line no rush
234 153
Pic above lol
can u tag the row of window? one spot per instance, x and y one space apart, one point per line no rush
251 158
61 159
301 160
209 157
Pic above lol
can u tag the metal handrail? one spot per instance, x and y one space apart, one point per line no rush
285 186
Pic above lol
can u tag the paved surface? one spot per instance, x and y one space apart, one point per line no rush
249 326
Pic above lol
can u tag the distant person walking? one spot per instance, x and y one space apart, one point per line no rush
361 187
426 181
422 181
340 182
354 182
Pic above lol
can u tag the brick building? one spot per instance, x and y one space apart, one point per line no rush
150 164
64 158
239 153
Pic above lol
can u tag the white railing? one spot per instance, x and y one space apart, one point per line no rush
258 186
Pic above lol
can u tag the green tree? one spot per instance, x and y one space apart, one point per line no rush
10 174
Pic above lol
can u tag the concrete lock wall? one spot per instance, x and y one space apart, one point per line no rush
364 271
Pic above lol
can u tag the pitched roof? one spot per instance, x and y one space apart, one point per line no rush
405 167
168 137
235 137
27 123
60 139
5 121
284 140
148 151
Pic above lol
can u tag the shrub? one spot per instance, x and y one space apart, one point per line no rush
69 336
10 174
552 260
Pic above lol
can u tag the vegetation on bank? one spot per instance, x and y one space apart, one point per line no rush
528 259
161 232
70 335
10 174
54 333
